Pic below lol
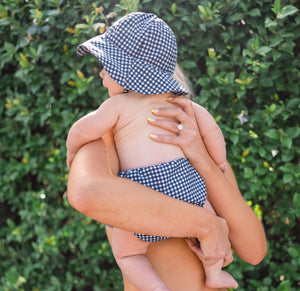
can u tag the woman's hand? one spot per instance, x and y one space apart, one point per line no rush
215 245
246 233
187 135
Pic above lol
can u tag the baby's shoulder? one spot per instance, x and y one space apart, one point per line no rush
125 98
116 101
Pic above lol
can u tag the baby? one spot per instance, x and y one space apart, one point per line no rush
162 167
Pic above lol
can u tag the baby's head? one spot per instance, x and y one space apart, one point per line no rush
139 52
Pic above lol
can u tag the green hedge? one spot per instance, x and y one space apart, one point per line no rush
243 59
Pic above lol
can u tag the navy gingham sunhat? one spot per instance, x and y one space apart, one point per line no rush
139 52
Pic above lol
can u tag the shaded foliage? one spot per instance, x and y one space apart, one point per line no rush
242 58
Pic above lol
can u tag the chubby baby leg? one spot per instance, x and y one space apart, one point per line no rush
125 243
129 252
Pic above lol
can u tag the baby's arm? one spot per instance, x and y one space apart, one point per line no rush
91 127
212 136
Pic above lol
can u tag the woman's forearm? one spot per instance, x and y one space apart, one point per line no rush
95 190
128 205
246 231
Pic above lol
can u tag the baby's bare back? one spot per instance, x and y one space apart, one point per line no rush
132 133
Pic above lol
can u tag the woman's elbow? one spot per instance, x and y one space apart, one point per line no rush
257 254
252 249
79 196
77 199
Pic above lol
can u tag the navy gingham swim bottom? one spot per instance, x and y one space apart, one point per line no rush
177 179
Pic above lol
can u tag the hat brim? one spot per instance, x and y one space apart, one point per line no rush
129 72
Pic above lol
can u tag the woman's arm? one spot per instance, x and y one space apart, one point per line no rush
212 136
246 232
95 190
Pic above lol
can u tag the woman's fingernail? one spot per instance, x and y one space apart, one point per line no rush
169 98
154 110
151 119
153 135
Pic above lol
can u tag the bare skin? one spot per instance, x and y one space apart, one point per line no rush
127 115
95 190
230 205
176 264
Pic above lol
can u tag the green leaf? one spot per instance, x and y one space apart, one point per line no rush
277 6
4 22
202 10
53 12
173 8
284 286
293 252
234 138
293 103
288 142
293 132
296 201
235 17
288 167
287 178
270 23
272 133
9 47
262 152
55 282
263 50
248 172
254 12
287 156
81 26
211 71
276 41
188 64
287 10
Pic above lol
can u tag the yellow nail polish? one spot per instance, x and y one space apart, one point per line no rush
154 110
151 119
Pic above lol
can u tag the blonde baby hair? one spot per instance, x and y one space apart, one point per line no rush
181 78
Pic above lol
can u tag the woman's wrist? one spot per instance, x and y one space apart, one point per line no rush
205 223
204 165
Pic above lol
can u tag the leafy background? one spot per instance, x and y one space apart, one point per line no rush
243 60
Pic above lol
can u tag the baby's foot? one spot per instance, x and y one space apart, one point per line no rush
221 280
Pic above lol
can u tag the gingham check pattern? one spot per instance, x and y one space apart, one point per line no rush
177 179
139 52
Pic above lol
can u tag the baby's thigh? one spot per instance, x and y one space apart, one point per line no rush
125 243
178 267
175 263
